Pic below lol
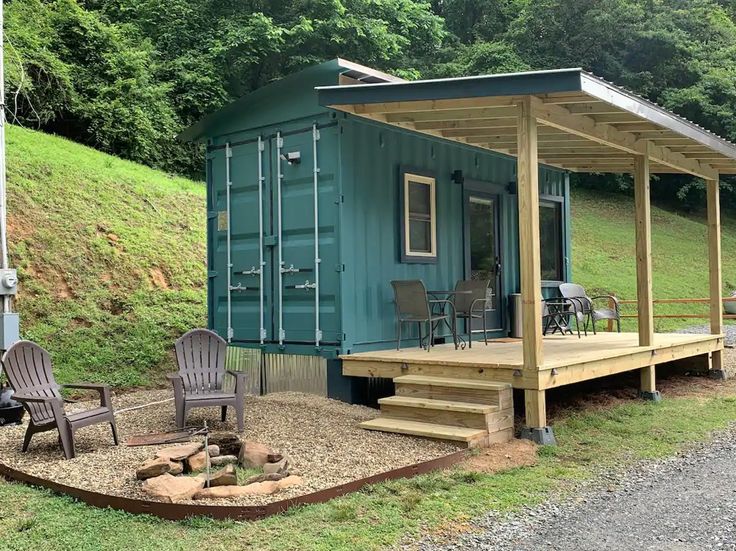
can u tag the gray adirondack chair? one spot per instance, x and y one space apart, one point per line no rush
586 310
200 355
28 368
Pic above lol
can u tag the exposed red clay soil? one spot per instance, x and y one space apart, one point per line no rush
502 457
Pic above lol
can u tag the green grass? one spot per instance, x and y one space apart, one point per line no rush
604 254
111 258
388 513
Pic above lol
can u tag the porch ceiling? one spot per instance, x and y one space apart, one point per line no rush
585 124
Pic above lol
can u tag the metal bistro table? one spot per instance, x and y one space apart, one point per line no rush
442 302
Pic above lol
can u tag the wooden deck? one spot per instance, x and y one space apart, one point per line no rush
567 359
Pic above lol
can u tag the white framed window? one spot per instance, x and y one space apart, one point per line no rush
419 221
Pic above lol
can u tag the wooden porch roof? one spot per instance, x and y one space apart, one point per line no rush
586 124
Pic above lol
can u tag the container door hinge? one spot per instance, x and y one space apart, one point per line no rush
211 274
340 199
340 268
279 142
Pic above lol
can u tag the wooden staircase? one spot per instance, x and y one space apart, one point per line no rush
475 413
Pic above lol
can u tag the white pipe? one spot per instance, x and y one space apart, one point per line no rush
228 185
3 181
317 260
262 332
279 176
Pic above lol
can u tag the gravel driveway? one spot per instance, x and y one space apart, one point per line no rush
682 503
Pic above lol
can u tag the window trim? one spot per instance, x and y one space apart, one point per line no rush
556 203
426 178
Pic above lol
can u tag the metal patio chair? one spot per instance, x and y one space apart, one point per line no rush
586 310
471 300
200 355
413 305
28 368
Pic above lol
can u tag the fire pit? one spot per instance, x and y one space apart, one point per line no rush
11 412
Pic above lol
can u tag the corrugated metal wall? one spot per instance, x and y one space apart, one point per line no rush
269 373
371 159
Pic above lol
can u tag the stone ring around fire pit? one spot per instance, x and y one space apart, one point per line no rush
175 473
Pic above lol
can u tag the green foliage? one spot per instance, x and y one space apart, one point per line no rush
110 257
127 75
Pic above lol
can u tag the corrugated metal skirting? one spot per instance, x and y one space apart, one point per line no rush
278 372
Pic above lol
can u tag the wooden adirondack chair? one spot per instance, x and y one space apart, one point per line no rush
28 368
200 354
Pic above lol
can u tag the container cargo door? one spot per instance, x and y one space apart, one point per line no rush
250 263
305 215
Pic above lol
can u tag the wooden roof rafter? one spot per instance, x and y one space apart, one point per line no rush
584 123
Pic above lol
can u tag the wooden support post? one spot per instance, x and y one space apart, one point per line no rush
647 387
643 251
536 408
714 268
536 428
530 265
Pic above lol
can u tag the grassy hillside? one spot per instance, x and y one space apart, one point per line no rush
604 254
111 258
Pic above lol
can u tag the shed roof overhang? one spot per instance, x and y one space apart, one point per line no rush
586 124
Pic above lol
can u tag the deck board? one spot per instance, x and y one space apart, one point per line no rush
567 359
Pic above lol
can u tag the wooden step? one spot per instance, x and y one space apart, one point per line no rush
428 430
446 405
455 390
441 412
451 383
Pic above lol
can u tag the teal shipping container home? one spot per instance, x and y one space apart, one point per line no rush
327 185
307 206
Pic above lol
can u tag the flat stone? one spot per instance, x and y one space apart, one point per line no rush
179 453
224 477
290 481
172 489
156 467
228 442
253 454
198 461
265 477
280 467
219 492
221 460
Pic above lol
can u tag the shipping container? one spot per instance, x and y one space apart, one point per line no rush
307 227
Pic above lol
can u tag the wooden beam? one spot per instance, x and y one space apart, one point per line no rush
466 123
714 264
454 114
535 413
529 255
648 379
433 105
589 128
643 251
494 132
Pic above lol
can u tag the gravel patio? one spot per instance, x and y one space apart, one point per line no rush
320 436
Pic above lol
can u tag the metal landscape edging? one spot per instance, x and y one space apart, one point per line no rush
181 511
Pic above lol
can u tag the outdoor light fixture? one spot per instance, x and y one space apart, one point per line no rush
292 157
457 177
